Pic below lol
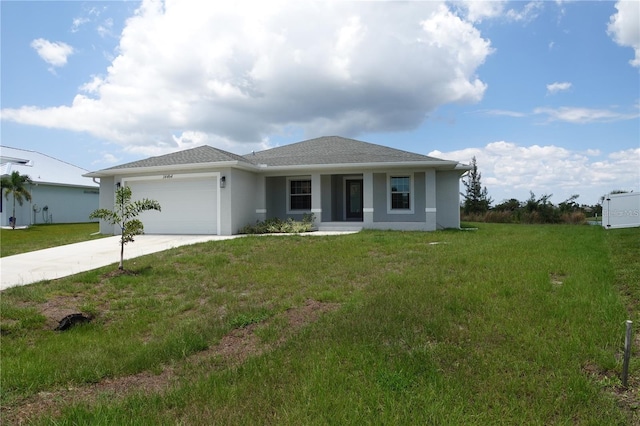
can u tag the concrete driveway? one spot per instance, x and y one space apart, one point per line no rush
62 261
70 259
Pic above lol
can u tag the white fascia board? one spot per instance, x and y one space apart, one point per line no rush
89 185
171 168
16 160
463 167
306 168
449 165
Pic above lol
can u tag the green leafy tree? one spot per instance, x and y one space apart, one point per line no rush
124 215
569 205
476 198
510 205
16 185
541 210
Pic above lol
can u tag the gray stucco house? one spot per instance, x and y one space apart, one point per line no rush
347 185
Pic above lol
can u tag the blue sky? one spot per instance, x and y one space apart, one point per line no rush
545 94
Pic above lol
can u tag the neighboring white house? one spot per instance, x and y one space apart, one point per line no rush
345 183
59 192
621 210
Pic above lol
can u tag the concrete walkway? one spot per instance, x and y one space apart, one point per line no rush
58 262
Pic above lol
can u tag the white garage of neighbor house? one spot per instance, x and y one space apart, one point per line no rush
346 184
59 192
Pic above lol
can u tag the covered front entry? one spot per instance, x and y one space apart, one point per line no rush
353 199
189 203
342 198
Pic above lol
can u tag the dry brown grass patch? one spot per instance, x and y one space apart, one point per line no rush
232 350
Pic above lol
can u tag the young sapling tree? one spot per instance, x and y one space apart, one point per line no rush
124 215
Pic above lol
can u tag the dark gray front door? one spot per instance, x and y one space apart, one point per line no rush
354 199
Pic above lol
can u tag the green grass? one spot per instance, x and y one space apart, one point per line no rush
502 325
37 237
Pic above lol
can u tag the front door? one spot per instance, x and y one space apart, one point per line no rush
354 199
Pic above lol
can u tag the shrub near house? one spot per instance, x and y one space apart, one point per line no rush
279 226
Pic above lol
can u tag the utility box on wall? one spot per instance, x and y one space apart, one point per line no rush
621 210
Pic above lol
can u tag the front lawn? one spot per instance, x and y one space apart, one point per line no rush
508 324
38 237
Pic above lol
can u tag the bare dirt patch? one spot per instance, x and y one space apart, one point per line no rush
557 279
58 307
231 350
627 398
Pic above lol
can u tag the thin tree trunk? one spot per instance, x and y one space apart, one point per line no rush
121 266
13 222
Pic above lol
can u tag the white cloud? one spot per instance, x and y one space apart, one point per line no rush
107 158
624 27
53 53
527 14
478 10
92 86
575 115
239 71
511 171
556 87
502 112
77 23
579 115
92 15
106 28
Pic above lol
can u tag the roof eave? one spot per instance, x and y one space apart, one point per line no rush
170 168
442 164
66 184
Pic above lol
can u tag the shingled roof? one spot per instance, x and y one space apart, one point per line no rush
327 150
335 150
198 155
41 168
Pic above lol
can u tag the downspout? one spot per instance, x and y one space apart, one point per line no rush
31 217
97 183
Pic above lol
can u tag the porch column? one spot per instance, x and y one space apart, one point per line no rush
261 198
316 198
367 199
430 197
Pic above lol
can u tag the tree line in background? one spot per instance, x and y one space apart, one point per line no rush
477 207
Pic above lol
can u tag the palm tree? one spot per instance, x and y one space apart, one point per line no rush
16 184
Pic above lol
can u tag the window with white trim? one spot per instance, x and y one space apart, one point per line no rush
400 192
300 194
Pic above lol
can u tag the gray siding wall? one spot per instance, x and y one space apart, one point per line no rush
65 204
337 188
107 200
380 199
327 191
276 187
276 197
448 199
243 184
225 201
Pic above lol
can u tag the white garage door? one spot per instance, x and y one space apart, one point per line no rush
189 205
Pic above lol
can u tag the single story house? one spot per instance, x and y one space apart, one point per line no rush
346 184
59 192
